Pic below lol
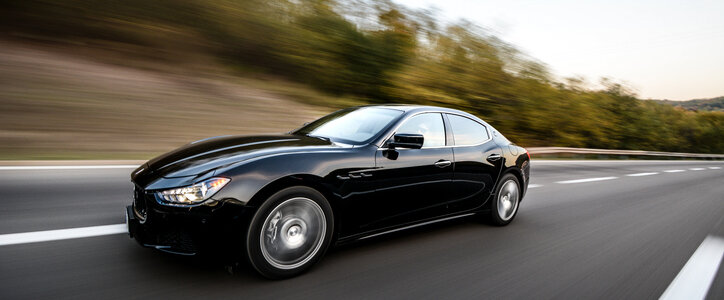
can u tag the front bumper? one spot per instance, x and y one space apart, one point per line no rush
216 230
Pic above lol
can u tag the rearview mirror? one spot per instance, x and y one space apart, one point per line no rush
406 140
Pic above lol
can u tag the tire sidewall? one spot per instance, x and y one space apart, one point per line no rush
253 248
494 217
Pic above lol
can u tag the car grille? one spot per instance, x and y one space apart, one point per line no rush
139 203
178 241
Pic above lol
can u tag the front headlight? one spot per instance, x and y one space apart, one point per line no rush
195 193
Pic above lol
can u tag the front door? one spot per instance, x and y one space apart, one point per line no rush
413 184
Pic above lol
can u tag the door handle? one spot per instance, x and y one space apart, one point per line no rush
494 157
443 163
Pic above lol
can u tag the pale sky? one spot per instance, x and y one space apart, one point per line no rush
663 49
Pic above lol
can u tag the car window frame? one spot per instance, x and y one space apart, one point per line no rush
399 124
487 130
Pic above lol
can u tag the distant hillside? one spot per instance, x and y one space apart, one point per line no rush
713 104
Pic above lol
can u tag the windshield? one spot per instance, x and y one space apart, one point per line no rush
352 125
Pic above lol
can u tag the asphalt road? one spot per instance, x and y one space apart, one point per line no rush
585 230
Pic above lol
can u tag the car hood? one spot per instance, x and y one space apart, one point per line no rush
206 155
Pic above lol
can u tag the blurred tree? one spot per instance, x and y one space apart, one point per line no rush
378 51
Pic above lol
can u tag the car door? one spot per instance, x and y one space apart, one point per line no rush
413 184
478 161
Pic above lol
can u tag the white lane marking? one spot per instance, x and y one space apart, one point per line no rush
697 169
586 180
694 280
715 168
674 171
642 174
16 168
620 161
532 186
60 234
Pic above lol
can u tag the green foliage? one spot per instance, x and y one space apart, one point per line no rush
378 52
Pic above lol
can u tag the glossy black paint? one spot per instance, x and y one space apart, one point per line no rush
372 188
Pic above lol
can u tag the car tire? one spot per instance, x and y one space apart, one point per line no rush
504 206
290 232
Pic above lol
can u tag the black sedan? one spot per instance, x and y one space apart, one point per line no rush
279 201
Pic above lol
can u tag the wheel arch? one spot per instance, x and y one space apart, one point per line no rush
312 181
518 173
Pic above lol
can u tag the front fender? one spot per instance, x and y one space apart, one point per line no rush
250 177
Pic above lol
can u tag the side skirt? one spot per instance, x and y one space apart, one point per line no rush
372 235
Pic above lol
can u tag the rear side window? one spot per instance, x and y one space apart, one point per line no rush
466 131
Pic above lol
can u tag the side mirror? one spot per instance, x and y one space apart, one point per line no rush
406 140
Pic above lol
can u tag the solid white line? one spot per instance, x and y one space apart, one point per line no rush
16 168
60 234
532 186
694 280
621 161
674 171
643 174
586 180
697 169
715 168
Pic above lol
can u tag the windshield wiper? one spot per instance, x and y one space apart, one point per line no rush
320 137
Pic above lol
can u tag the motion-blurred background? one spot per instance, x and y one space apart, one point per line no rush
107 79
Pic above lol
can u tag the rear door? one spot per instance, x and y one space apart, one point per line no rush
478 161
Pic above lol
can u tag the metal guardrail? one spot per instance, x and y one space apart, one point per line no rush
589 151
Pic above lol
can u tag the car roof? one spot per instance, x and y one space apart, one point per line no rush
411 108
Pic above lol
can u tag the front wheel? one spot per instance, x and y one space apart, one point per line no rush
290 232
507 199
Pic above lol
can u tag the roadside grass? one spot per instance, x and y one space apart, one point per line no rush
71 105
77 102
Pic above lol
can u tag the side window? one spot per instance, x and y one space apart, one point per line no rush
466 131
430 125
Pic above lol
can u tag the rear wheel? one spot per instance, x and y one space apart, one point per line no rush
507 199
290 232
